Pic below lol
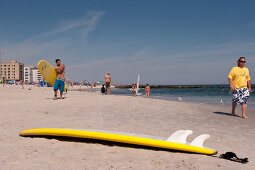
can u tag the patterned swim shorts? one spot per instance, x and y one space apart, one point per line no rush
241 95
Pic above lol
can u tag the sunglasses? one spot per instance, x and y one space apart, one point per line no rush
241 61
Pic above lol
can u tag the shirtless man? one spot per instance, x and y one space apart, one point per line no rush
60 81
107 80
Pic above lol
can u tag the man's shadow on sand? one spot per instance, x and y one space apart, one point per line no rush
228 114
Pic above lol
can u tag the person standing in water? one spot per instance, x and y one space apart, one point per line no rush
108 80
240 85
133 89
147 90
60 81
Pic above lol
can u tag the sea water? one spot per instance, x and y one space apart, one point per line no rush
210 94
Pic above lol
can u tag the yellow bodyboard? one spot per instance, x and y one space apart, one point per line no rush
48 72
117 137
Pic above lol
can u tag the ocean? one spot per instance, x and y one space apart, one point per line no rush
210 94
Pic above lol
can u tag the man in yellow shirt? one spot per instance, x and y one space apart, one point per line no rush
240 84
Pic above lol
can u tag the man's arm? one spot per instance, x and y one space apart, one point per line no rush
230 79
249 85
60 69
231 84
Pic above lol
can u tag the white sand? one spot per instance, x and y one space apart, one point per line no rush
23 109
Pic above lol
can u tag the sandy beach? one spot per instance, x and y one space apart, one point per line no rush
24 109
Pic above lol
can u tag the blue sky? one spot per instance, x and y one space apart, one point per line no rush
165 41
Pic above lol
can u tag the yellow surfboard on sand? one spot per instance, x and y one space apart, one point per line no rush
177 141
48 73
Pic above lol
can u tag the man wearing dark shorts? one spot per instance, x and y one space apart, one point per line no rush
107 80
240 84
60 81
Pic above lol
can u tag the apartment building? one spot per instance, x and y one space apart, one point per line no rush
28 75
12 70
32 75
37 77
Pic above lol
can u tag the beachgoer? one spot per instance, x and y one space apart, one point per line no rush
91 86
147 90
103 89
60 81
4 81
133 89
240 84
22 84
108 80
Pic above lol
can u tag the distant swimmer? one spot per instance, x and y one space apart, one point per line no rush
60 81
240 85
108 80
147 90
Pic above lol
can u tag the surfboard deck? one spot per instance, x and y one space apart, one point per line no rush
171 143
48 72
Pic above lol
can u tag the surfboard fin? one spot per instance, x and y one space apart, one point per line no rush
180 136
199 141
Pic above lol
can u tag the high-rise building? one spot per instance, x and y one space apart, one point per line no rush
12 70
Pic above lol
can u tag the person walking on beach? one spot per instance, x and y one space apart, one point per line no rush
240 84
147 90
4 81
108 80
60 81
22 84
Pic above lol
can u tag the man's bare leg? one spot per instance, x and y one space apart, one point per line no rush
244 110
55 94
61 94
233 108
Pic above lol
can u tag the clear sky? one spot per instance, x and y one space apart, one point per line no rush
165 41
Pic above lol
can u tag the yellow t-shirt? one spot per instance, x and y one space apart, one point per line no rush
239 76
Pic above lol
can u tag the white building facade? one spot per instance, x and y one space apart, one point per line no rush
36 75
32 75
28 76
